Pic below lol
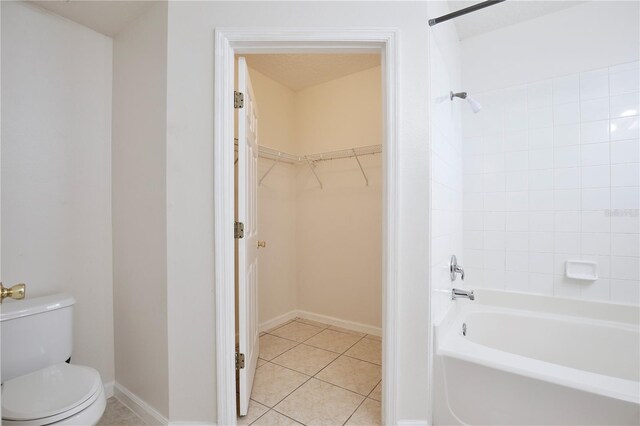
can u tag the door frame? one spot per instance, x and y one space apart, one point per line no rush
228 43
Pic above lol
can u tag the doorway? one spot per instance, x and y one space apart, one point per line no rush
309 197
230 43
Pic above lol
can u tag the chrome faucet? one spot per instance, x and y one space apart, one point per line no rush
454 268
456 293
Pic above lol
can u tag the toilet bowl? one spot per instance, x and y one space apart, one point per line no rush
38 386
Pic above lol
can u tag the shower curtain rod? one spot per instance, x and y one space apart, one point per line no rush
464 11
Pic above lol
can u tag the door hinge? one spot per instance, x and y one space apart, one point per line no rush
238 99
239 361
238 230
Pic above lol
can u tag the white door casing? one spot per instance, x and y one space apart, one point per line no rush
247 117
230 42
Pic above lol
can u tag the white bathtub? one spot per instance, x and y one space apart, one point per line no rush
536 360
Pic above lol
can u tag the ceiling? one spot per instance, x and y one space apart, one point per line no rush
106 17
298 71
503 14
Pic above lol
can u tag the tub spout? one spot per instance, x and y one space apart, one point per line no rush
457 293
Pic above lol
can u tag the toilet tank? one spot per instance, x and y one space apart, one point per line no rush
35 333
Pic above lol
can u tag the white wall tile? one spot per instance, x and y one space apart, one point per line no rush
494 240
624 82
594 132
567 156
517 181
566 135
625 221
541 159
541 180
541 263
517 221
541 283
625 245
541 137
566 199
625 105
625 128
517 201
566 178
541 117
625 198
595 244
567 242
540 200
542 221
594 154
494 221
566 287
568 221
594 109
566 114
595 290
594 84
541 242
493 259
566 89
625 151
595 221
625 268
596 199
625 174
596 176
517 241
625 292
517 160
516 141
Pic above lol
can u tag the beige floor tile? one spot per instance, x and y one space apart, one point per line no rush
297 331
272 346
273 418
353 374
305 359
346 330
333 341
117 414
368 414
272 383
367 350
376 393
255 411
261 362
372 337
320 404
311 322
278 326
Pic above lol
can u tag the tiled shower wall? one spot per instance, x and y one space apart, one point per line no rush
551 172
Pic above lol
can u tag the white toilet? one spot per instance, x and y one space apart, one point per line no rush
38 386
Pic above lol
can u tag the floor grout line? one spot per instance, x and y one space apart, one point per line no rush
314 376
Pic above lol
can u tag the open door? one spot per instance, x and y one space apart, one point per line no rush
247 214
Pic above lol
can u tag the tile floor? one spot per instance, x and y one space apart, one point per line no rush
117 414
311 373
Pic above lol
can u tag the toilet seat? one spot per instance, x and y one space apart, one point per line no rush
49 395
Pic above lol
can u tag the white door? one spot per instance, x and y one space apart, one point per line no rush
248 245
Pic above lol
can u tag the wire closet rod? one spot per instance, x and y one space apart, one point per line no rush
464 11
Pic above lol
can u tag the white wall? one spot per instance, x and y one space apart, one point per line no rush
56 170
551 162
446 159
190 108
324 246
139 208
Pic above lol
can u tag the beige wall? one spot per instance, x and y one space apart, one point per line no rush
139 208
341 113
56 170
323 246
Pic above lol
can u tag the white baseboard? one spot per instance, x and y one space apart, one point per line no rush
351 325
268 325
146 412
413 423
108 389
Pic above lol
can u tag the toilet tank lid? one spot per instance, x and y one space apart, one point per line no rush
12 309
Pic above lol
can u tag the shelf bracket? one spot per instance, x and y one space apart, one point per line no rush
311 166
361 169
275 163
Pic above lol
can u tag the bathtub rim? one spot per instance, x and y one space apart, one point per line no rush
449 342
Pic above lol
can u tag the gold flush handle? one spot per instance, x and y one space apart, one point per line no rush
262 244
15 292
